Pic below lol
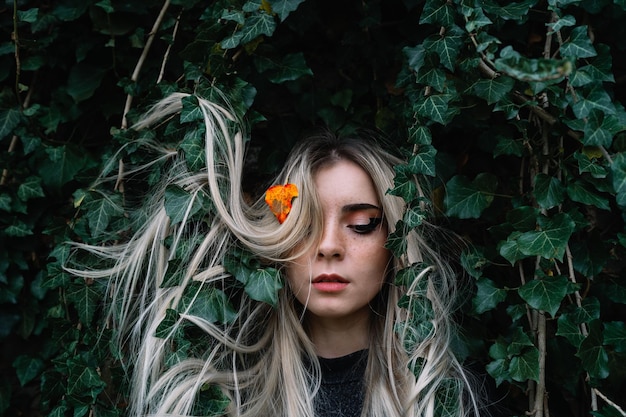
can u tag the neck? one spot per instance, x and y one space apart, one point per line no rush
334 338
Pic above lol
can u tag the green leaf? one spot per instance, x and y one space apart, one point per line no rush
467 200
284 7
30 188
519 342
436 107
404 183
420 135
290 67
27 368
446 46
85 297
84 380
550 241
618 169
499 370
506 145
191 111
526 366
193 147
570 330
592 354
61 166
512 10
83 81
488 295
615 335
256 25
264 284
523 218
415 56
582 193
168 325
181 205
438 12
423 162
396 241
548 191
494 89
18 229
414 217
578 45
210 304
9 119
585 164
521 68
101 210
545 294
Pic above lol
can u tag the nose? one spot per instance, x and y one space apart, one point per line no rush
331 245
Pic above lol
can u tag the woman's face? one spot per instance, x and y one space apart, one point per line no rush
339 276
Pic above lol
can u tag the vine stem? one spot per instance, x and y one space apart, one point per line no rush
142 59
609 402
169 49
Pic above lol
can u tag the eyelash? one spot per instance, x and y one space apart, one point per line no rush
364 229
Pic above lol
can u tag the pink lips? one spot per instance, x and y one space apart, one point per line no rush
329 283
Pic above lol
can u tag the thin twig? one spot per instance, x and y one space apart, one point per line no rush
609 402
142 59
169 48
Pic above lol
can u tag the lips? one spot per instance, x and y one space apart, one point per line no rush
329 283
330 278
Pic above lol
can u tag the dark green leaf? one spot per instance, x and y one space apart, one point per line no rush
210 304
256 25
548 191
30 188
290 67
467 200
85 297
488 295
446 46
526 366
494 89
438 12
578 45
264 284
101 210
615 335
9 119
396 241
499 370
585 164
511 11
168 325
545 294
420 135
550 241
193 146
521 68
594 357
415 56
437 108
284 7
404 183
583 193
423 162
27 368
523 218
570 330
62 165
506 145
618 169
18 229
191 111
181 205
474 261
83 81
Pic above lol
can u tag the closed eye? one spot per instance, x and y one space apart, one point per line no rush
366 228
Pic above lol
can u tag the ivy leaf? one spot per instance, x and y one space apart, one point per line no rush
101 210
289 68
168 324
413 217
436 107
27 368
512 11
488 295
550 241
521 68
499 370
420 135
548 191
465 199
263 285
545 294
180 205
85 296
18 229
446 46
423 162
615 335
578 45
193 147
582 193
61 166
523 218
506 145
256 25
83 379
30 188
586 164
618 169
210 304
83 80
284 7
494 89
432 76
438 12
404 183
474 261
526 366
519 342
9 119
592 354
191 111
415 56
570 330
595 98
396 241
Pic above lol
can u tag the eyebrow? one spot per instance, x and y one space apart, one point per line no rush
358 207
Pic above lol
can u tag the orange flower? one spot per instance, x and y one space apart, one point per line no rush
279 198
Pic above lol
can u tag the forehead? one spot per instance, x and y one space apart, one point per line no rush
344 179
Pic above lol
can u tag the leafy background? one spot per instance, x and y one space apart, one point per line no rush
514 110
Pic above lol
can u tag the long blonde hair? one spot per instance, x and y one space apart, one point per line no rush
263 359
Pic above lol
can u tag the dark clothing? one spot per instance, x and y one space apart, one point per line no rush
342 393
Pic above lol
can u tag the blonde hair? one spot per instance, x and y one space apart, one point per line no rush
263 360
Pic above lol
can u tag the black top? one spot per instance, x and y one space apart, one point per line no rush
342 393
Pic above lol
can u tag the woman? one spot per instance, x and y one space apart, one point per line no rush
336 342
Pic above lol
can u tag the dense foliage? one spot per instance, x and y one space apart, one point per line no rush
513 109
